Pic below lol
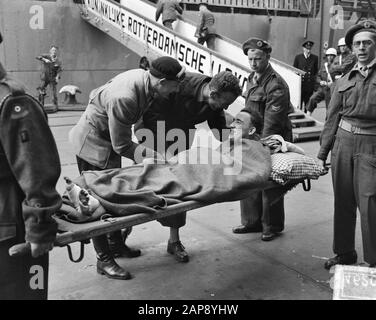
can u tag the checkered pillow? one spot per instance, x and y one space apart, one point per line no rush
292 166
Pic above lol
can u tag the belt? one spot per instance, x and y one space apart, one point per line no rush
356 130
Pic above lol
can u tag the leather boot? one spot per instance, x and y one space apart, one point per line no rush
106 265
117 246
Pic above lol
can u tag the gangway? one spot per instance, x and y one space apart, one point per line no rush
132 23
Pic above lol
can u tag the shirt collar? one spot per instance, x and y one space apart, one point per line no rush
262 76
357 68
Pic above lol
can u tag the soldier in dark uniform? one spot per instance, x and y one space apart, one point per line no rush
29 170
199 98
268 94
309 63
350 135
52 67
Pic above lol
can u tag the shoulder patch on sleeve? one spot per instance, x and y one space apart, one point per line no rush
276 108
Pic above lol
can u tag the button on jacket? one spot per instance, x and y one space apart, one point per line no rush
309 65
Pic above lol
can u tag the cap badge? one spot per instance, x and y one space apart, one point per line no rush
259 44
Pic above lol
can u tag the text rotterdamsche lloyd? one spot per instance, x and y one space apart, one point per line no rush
186 309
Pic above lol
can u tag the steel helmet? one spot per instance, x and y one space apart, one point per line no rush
331 51
341 42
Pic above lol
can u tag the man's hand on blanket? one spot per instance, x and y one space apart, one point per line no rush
39 249
323 165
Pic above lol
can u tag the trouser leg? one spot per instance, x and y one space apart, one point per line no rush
344 196
251 210
176 221
365 191
210 41
315 99
277 216
54 93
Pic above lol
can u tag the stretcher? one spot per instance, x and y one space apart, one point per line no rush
69 232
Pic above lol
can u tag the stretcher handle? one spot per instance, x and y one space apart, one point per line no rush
24 249
307 185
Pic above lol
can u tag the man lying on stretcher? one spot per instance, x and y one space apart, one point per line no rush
239 166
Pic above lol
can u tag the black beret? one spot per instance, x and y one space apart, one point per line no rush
366 25
308 42
254 43
168 68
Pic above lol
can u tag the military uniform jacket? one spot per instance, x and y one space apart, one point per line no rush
169 10
353 100
29 168
310 66
270 97
183 110
206 24
104 131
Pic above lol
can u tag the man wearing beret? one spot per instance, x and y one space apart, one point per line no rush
199 98
350 134
309 63
269 95
29 170
104 134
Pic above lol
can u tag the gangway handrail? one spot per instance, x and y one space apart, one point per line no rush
185 38
110 11
231 41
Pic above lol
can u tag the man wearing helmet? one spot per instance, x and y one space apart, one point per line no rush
345 60
325 80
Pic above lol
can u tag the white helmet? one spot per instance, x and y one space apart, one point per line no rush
331 51
341 42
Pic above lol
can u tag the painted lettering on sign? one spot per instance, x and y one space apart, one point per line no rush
166 43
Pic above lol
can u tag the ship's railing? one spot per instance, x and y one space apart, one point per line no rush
282 5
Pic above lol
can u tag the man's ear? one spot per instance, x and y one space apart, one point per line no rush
252 131
213 94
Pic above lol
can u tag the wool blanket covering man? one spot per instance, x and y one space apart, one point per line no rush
201 174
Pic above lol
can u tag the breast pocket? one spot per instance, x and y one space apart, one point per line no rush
349 94
256 102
